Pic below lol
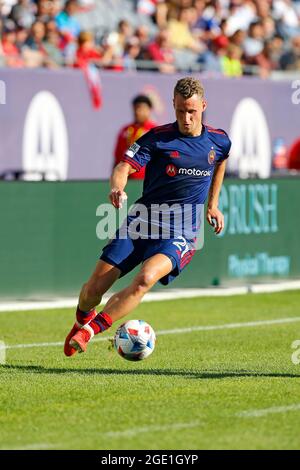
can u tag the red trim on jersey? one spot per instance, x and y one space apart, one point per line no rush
131 162
216 132
165 128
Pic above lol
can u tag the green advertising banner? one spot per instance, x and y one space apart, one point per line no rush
49 244
261 237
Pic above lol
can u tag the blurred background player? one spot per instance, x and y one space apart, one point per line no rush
142 123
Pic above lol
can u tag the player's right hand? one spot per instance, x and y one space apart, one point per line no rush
117 197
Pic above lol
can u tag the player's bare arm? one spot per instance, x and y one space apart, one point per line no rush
118 182
214 216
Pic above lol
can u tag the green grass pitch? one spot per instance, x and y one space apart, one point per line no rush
190 394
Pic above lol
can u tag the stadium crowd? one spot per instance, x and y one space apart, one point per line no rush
229 37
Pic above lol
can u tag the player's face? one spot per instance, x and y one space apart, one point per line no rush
189 114
141 112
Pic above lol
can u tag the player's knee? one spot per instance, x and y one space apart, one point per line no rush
145 281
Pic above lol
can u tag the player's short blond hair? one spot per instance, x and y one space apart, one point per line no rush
189 86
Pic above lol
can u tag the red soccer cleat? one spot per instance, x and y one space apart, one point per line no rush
80 340
68 349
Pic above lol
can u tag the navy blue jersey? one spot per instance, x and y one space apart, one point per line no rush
179 168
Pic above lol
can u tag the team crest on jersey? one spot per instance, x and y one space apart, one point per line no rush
133 149
212 156
174 154
171 170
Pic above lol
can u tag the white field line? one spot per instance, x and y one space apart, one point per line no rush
226 326
166 294
168 427
170 294
2 352
30 447
267 411
131 432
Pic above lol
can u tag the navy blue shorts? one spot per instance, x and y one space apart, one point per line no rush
127 253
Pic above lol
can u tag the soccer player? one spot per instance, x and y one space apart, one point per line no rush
185 162
142 123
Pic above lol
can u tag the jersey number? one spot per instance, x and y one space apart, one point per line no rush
182 246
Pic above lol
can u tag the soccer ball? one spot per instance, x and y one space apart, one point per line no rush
135 340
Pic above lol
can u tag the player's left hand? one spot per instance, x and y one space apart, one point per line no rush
215 218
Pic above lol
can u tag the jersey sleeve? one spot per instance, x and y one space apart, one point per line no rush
226 146
139 153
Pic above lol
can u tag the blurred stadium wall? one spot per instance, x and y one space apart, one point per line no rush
49 244
72 140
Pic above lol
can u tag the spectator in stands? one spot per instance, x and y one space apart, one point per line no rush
52 47
254 43
271 55
146 7
287 18
161 15
263 28
34 53
22 34
187 46
231 61
277 48
143 35
66 22
142 32
181 36
294 156
269 27
11 53
48 9
160 52
211 59
207 20
132 53
118 39
263 8
238 38
36 37
22 13
51 26
142 123
116 43
2 60
156 10
265 61
87 52
290 60
240 15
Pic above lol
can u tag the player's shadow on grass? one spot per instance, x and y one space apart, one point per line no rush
158 372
